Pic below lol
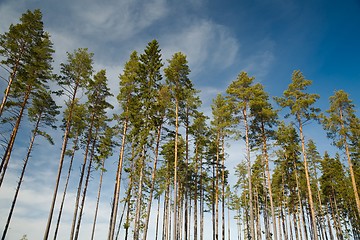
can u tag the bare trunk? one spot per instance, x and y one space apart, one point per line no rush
11 79
66 185
61 161
35 131
216 224
139 198
98 199
302 218
311 203
269 181
175 170
153 177
223 189
8 151
252 231
196 193
82 205
116 195
157 219
82 173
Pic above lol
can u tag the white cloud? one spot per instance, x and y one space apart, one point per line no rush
204 42
116 19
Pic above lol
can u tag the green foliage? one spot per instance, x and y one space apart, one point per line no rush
296 98
342 120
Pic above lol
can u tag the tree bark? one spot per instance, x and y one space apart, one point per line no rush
117 187
35 131
61 161
66 185
98 199
311 203
8 151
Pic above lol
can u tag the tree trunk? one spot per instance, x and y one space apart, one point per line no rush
311 203
152 187
216 224
252 231
116 195
82 173
66 185
82 205
35 131
98 199
302 218
61 161
8 151
196 192
157 219
11 79
175 169
223 189
139 198
201 202
269 180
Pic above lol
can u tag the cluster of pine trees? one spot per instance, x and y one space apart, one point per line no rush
169 151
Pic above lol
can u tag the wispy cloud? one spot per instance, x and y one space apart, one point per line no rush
204 42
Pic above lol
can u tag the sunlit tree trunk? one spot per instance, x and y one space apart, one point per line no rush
66 186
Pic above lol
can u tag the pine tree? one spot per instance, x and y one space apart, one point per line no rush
76 74
221 123
129 81
178 80
300 104
265 117
241 93
32 78
77 129
97 92
18 45
339 126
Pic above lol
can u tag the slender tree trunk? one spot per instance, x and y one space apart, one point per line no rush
116 195
213 202
196 192
125 206
187 211
35 131
338 219
139 198
66 185
201 202
302 219
252 231
329 226
157 219
61 161
216 223
257 210
223 189
175 169
8 151
311 203
82 205
98 198
153 178
269 180
11 79
82 173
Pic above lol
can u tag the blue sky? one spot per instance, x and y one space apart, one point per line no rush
268 39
